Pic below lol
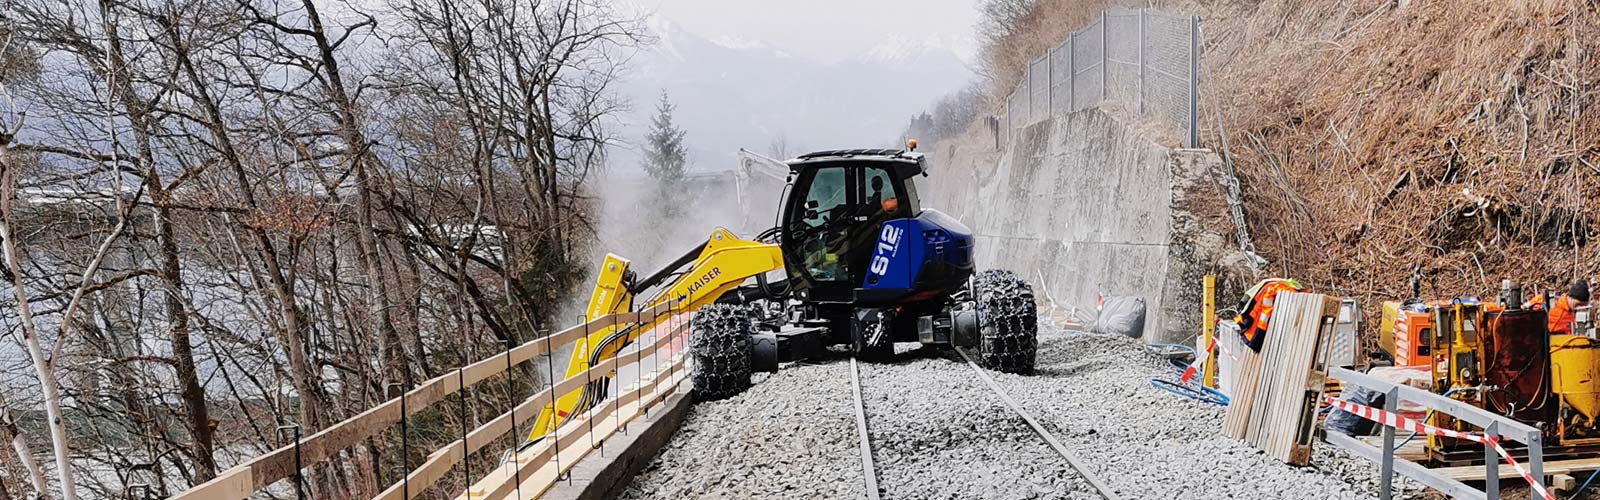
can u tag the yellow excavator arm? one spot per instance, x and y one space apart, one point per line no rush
723 263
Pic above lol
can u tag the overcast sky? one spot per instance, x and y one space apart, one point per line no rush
826 30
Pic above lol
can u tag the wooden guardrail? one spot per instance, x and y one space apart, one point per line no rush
534 470
245 479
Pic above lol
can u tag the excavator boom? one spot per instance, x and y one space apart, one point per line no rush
723 263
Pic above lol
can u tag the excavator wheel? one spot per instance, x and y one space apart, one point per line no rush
1007 322
719 342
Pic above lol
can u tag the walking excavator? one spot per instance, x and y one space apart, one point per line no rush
863 264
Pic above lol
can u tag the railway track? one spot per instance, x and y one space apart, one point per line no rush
870 470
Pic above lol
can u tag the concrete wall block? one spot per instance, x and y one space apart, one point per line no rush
1083 205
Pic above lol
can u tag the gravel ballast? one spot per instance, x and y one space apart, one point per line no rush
1094 392
793 435
937 432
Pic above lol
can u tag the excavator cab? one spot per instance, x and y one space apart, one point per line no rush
854 232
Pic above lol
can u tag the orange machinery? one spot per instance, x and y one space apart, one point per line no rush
1404 333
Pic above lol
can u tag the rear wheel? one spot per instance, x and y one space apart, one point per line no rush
1007 322
719 341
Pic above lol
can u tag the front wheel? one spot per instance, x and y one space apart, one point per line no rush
719 342
1008 322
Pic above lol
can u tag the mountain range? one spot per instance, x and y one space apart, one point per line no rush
736 93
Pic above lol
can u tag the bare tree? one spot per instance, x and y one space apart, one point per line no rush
293 201
19 444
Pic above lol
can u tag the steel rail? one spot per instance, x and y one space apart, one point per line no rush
1093 480
868 469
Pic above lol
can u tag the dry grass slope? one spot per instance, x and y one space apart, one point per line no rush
1374 136
1378 136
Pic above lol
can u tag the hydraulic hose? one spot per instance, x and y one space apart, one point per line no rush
1198 392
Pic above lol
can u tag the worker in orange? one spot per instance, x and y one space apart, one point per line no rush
1256 311
1561 317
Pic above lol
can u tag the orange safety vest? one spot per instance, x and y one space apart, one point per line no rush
1257 310
1561 317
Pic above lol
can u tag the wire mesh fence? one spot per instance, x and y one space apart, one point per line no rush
1143 59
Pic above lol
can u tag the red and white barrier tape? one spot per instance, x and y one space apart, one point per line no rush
1406 424
1199 361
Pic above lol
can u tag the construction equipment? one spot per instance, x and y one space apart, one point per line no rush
1344 348
1583 322
1405 327
1575 378
1404 332
863 264
1500 357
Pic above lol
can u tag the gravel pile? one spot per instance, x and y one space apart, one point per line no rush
938 432
1094 391
791 436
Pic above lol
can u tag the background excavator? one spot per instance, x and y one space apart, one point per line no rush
863 265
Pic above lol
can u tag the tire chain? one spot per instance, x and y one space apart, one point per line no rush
1010 322
720 344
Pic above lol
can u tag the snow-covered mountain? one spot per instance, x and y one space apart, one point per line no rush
905 50
735 92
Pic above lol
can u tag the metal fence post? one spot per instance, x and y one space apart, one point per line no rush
1536 457
1049 82
405 436
1072 72
1391 403
1194 82
1141 60
466 456
1027 92
1105 54
299 470
1491 461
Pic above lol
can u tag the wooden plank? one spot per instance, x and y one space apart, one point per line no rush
1246 376
1475 472
233 483
1281 340
1291 359
1279 388
279 463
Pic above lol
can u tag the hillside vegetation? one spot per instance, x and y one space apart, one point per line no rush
1377 137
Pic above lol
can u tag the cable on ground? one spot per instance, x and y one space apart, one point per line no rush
1196 392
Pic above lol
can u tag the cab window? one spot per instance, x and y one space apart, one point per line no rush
825 198
827 201
880 191
834 226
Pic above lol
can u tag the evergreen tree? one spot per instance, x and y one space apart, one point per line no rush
664 154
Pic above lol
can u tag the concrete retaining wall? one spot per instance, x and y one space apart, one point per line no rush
1085 205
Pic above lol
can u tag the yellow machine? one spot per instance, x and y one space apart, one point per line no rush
1575 378
1453 351
863 265
723 263
1454 344
1500 357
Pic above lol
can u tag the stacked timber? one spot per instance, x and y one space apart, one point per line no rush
1277 391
